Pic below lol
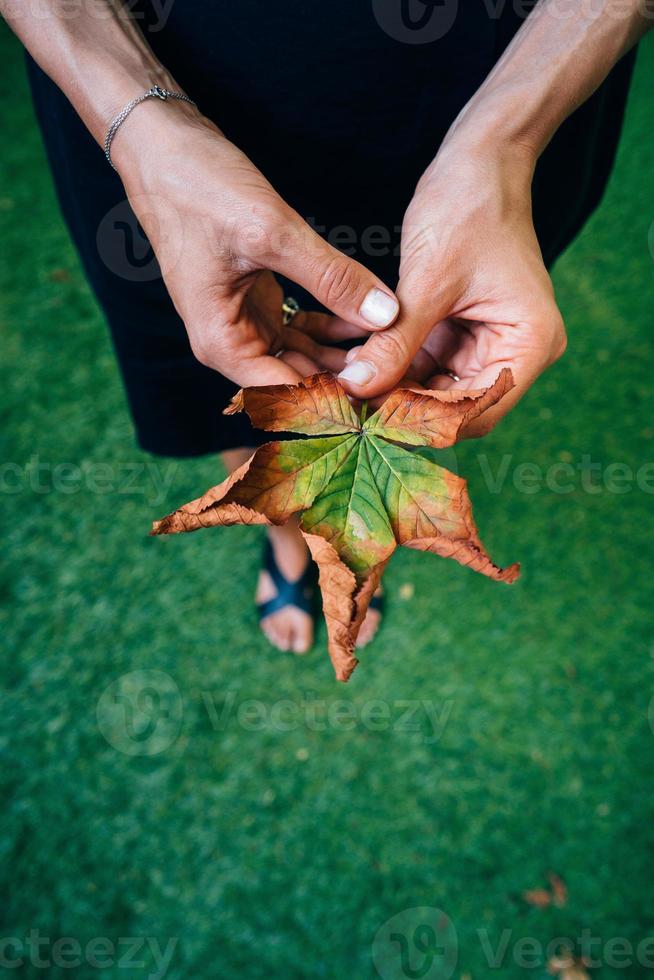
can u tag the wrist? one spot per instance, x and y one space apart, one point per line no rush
155 131
491 127
486 160
519 127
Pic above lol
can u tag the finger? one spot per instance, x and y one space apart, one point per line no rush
304 365
421 367
445 339
525 370
328 329
344 286
264 370
386 356
536 347
326 358
411 379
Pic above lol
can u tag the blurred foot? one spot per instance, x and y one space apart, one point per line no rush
288 628
373 619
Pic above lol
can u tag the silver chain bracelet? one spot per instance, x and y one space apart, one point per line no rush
156 92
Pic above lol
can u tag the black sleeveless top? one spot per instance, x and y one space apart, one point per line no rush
342 105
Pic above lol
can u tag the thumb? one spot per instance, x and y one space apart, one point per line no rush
340 283
385 358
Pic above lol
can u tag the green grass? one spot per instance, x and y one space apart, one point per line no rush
273 853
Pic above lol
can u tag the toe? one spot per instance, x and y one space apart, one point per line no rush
368 629
274 630
270 632
285 637
301 633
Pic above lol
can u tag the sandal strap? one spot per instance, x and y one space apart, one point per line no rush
378 602
300 593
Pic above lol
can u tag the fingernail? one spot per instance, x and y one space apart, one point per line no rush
353 351
378 308
358 372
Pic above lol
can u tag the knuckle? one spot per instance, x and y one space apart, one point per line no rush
561 345
207 347
202 352
390 348
338 280
549 333
262 235
559 338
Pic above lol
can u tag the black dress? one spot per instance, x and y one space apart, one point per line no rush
341 105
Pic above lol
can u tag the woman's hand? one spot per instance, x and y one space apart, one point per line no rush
475 296
216 225
219 230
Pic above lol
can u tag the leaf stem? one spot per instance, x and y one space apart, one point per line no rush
364 412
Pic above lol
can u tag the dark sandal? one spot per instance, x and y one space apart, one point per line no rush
378 602
301 593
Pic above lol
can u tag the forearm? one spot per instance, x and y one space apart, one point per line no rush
563 51
95 53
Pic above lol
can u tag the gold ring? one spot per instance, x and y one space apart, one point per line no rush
290 309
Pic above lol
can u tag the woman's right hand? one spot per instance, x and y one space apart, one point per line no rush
219 230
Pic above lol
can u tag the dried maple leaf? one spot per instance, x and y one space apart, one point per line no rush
568 967
358 492
559 889
542 897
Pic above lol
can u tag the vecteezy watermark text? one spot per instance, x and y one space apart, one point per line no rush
584 474
141 713
149 478
529 953
423 942
99 953
401 716
153 479
98 10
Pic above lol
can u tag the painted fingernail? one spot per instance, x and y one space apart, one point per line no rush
378 308
358 372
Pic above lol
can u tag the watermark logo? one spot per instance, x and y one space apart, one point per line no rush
415 21
416 944
124 246
140 713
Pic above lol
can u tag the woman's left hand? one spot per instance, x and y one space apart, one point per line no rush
474 293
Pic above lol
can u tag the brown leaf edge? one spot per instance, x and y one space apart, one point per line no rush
469 550
317 405
469 553
344 600
456 408
207 510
